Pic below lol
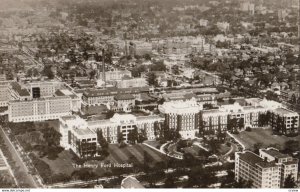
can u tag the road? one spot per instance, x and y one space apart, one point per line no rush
28 178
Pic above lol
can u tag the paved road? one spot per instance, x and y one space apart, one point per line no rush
19 162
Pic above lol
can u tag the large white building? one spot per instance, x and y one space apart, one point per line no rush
115 75
40 101
131 82
42 109
269 169
119 124
182 116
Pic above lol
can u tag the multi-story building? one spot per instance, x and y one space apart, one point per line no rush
284 121
131 82
251 167
4 93
119 124
269 169
289 165
182 116
17 92
139 48
42 109
212 122
43 88
94 97
115 75
124 102
83 142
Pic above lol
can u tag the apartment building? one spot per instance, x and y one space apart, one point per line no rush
269 169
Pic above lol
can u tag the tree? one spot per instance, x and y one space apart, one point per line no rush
241 123
142 136
256 147
48 72
6 183
291 146
243 184
133 136
289 182
147 56
51 136
92 74
120 137
152 79
101 140
169 183
110 114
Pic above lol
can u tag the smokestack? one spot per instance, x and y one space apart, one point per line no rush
103 67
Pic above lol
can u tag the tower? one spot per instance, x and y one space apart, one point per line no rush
103 67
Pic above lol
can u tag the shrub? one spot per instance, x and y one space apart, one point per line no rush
248 129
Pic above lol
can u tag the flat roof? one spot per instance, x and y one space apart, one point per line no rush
124 97
83 132
17 87
114 91
255 160
68 117
284 111
275 153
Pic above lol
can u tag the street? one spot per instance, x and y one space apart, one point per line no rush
28 178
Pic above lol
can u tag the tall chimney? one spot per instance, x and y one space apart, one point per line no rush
103 67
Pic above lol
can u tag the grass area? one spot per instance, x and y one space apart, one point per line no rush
263 136
224 149
62 164
155 144
128 154
51 123
133 153
193 150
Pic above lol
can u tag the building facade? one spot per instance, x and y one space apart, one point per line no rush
95 97
269 169
42 109
182 116
120 125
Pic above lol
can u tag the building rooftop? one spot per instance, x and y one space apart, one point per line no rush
114 91
255 160
22 92
283 111
68 117
131 183
83 132
275 153
124 97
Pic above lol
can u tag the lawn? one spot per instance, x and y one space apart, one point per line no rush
263 136
133 153
128 154
155 144
63 164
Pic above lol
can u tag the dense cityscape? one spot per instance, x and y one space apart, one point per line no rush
149 94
